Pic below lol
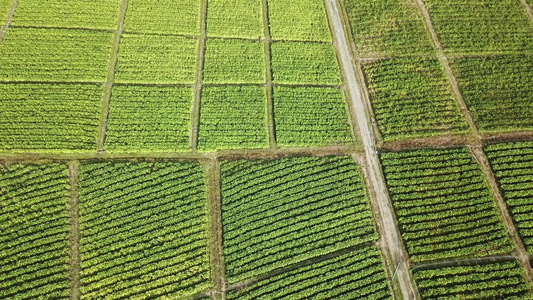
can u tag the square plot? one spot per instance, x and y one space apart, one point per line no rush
143 230
305 63
279 212
481 26
235 18
303 20
49 117
412 98
234 61
355 275
163 16
34 240
311 116
54 55
498 91
149 118
384 27
233 117
156 59
443 205
67 13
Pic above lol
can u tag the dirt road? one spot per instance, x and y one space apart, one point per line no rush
378 183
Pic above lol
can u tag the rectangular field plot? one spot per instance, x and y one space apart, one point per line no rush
498 90
34 222
303 20
356 275
233 117
411 98
235 18
163 16
512 164
496 280
147 119
385 27
234 61
305 63
143 230
67 13
54 55
49 118
279 212
156 59
443 205
309 116
481 26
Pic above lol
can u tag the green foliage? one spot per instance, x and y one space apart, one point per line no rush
54 55
233 117
235 18
443 204
33 232
303 20
411 98
305 63
45 117
512 164
143 230
148 118
384 27
67 13
234 61
498 90
310 116
279 212
5 5
160 59
356 275
499 280
163 16
481 26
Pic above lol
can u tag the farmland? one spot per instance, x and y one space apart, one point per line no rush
266 149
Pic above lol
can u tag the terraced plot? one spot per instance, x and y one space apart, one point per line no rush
143 230
384 27
443 205
356 275
279 212
49 117
512 164
234 18
34 232
411 98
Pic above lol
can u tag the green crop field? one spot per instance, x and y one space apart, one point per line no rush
266 149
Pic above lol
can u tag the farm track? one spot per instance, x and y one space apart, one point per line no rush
269 79
74 231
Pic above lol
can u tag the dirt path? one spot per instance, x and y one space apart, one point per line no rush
390 235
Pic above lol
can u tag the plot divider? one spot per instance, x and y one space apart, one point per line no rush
74 230
108 85
5 25
269 78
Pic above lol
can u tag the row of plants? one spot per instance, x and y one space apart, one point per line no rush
443 205
279 212
34 223
143 230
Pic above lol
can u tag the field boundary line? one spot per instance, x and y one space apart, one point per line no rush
269 77
111 76
8 19
198 85
508 223
391 236
528 9
74 231
474 131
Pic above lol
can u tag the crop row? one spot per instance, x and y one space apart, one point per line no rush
411 98
443 204
513 167
356 275
278 212
499 280
33 231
